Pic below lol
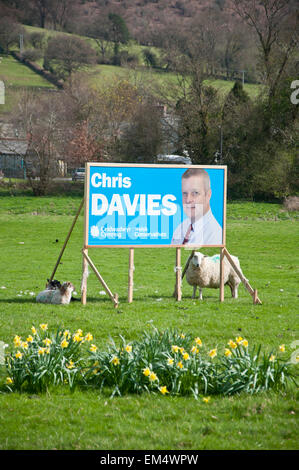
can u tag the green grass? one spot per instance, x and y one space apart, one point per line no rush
263 236
15 74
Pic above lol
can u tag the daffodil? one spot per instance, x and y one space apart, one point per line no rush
33 330
146 371
89 337
70 365
44 326
244 343
24 345
206 399
67 334
182 335
174 348
239 339
282 348
213 353
180 365
128 348
272 358
41 351
9 381
47 341
232 344
227 352
17 341
186 356
77 337
93 348
29 339
198 341
163 390
194 350
170 361
153 377
64 343
18 355
115 361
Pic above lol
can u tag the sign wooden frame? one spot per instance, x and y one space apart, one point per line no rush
87 261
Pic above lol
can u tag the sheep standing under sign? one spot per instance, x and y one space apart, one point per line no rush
204 271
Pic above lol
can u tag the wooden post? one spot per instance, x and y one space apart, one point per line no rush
84 277
178 274
221 294
251 291
131 275
114 298
66 241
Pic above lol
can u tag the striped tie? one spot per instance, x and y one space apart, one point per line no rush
187 236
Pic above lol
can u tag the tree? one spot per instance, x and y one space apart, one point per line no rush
118 31
10 32
67 54
275 25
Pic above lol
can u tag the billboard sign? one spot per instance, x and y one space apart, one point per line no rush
132 205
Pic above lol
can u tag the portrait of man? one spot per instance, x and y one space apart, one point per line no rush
200 227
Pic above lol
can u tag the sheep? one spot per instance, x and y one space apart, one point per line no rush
204 271
60 295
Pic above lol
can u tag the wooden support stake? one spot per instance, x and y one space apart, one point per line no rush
66 241
178 273
251 291
84 278
114 298
131 275
221 294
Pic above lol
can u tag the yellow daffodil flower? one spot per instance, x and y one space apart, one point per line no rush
24 345
227 352
9 381
244 343
44 326
64 343
194 350
18 355
213 353
272 358
146 372
77 338
163 390
89 337
33 330
115 361
198 341
170 361
232 344
70 365
47 341
29 339
186 356
153 377
239 339
180 365
67 334
41 351
17 341
93 348
282 348
174 348
128 348
206 399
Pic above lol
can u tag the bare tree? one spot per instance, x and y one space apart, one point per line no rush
275 25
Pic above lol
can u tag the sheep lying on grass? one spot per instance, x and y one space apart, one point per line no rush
60 295
204 271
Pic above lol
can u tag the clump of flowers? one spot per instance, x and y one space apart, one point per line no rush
170 362
43 359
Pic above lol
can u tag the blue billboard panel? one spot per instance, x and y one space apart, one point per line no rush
154 205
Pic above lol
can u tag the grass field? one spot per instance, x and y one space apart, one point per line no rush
263 236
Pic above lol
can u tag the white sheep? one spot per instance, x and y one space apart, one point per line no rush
61 295
204 271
